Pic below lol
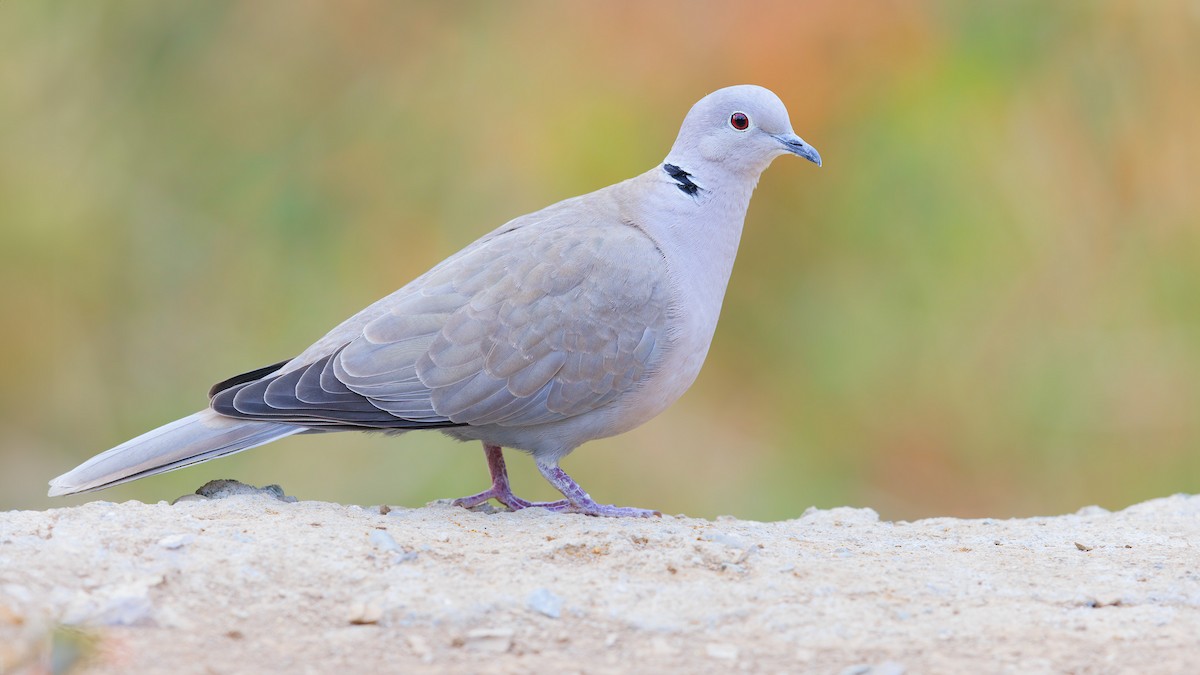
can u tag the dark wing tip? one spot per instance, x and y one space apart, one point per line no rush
245 377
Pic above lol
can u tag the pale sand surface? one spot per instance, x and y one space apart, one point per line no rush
248 583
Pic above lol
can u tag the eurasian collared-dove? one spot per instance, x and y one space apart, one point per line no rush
576 322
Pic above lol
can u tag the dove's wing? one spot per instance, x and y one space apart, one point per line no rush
533 324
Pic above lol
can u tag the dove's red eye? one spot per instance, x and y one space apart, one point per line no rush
739 121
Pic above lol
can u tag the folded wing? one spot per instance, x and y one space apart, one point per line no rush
533 325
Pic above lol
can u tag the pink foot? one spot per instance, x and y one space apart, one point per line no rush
577 501
500 490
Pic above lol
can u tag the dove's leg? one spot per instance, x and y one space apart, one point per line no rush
500 490
579 501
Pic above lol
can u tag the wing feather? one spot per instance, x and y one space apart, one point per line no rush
530 325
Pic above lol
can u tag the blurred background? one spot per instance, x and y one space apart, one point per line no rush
987 303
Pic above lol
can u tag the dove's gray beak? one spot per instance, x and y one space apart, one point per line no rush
796 145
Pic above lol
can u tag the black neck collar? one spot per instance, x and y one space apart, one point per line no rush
683 178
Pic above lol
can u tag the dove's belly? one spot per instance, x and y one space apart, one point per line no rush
665 382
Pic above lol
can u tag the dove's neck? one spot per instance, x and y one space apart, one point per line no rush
695 214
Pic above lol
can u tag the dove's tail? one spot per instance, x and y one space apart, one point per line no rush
193 439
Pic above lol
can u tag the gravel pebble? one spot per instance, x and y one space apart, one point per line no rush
176 541
383 541
543 601
724 652
493 640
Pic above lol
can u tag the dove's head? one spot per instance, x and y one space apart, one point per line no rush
740 128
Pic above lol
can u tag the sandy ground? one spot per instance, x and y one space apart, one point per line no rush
246 582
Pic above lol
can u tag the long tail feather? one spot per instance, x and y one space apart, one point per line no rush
193 439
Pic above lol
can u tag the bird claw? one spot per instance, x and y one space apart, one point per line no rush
591 508
505 497
508 499
473 500
577 501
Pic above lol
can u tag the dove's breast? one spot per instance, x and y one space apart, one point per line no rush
695 248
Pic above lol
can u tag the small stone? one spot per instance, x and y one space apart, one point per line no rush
383 541
364 612
491 640
420 647
1103 600
220 489
725 652
545 602
1083 547
727 540
176 541
125 610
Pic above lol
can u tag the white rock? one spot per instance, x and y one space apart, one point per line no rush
543 601
492 640
725 652
176 541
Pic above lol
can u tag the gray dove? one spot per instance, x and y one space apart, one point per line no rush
579 321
